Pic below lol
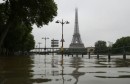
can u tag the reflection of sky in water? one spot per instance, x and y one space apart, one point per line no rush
39 69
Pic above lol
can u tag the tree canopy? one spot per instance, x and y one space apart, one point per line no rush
124 41
19 38
27 12
121 43
39 12
100 46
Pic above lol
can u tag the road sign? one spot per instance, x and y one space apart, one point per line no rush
54 43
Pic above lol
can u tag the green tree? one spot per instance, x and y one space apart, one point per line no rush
29 12
29 43
120 44
100 47
18 38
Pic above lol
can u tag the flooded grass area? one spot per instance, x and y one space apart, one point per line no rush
48 69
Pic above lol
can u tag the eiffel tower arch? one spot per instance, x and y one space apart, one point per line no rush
76 40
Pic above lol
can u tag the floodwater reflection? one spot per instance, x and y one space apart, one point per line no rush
14 70
39 69
76 63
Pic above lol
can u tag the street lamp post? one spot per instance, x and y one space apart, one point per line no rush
62 40
45 43
39 46
36 50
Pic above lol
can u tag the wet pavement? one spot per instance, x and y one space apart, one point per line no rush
48 69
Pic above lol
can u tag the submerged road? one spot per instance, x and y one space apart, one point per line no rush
40 69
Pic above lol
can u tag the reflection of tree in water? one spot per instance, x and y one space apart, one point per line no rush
122 62
18 70
15 69
76 63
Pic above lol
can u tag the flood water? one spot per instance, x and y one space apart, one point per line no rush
48 69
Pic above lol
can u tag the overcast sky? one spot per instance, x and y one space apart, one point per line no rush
105 20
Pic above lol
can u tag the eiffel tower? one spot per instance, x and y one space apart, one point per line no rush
76 40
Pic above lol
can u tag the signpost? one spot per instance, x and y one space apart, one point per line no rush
54 43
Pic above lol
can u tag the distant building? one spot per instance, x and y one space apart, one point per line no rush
91 50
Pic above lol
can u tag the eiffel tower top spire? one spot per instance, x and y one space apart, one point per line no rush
76 40
76 29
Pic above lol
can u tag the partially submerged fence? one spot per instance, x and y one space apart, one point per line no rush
124 51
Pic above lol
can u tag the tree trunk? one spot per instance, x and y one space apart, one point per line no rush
3 35
7 26
4 32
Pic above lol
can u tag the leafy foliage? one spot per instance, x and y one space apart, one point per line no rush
39 12
17 17
122 43
19 38
100 47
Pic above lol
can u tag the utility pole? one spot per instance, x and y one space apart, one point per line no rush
39 46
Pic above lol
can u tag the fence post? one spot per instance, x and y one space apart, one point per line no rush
76 55
89 55
109 55
97 55
82 55
124 53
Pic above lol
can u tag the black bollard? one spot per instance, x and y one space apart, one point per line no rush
124 53
124 56
97 56
82 55
109 56
89 55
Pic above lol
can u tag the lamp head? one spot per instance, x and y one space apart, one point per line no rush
67 22
57 21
